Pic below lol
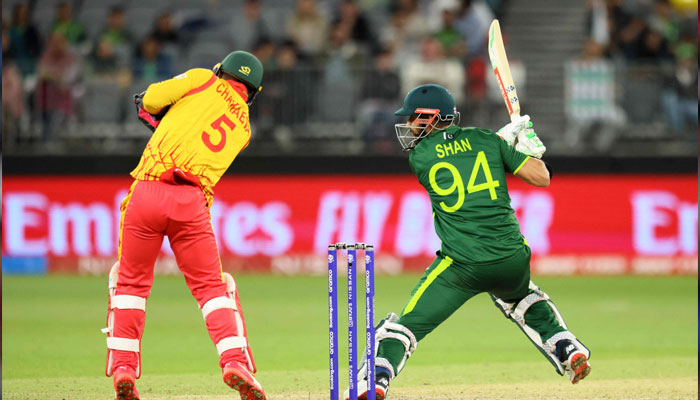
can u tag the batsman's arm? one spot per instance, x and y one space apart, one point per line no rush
534 172
162 94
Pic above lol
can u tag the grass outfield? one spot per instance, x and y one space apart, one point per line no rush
642 332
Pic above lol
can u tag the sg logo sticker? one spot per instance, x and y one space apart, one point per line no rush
244 70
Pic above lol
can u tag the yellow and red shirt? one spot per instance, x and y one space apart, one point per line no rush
203 131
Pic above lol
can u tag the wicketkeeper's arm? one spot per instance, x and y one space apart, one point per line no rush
163 94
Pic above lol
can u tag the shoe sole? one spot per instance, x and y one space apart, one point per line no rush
580 366
125 389
247 390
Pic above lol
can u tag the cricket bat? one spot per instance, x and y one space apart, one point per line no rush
499 62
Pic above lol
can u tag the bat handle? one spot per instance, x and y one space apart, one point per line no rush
514 117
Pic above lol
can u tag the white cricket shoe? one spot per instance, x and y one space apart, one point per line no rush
381 390
575 361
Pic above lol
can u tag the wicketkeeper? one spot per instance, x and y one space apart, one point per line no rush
200 124
464 171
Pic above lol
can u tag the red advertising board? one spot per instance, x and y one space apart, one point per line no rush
580 224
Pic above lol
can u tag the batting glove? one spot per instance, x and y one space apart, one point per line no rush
510 132
530 144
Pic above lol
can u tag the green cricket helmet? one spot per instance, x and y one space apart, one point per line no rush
246 68
427 105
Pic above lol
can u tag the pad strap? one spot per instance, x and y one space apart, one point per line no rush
124 344
384 363
551 344
217 303
128 302
393 335
405 331
518 314
231 342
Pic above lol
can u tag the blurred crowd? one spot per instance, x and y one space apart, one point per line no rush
659 35
68 64
324 60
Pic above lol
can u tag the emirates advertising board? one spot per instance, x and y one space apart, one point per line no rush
581 224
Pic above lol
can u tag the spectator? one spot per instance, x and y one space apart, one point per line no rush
287 101
288 85
265 50
448 36
627 33
380 93
343 60
102 62
664 21
150 64
654 47
105 64
593 116
308 28
382 82
406 28
164 31
72 30
679 98
116 32
24 41
473 21
341 49
249 27
416 23
355 21
432 67
598 22
13 96
58 71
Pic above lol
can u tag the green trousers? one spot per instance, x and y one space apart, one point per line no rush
447 284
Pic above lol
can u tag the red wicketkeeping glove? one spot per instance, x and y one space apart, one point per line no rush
150 120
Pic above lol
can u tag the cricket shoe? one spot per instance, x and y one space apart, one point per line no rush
237 377
381 387
125 384
574 360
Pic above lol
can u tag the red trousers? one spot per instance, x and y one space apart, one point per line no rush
152 210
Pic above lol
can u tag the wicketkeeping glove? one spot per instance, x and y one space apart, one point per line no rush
530 144
150 120
510 132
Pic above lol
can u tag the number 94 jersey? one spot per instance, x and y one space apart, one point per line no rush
203 131
463 170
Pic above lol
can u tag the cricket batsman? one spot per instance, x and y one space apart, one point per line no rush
464 171
200 124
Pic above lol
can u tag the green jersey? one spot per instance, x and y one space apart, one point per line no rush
464 172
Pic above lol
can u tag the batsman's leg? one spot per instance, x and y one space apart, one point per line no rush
216 293
438 294
539 318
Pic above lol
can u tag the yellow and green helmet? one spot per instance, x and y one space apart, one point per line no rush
247 68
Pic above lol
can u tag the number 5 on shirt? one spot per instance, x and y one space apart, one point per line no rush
218 125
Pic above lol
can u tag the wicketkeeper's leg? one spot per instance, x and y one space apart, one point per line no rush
197 256
131 278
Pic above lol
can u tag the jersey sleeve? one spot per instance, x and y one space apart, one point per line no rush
413 162
165 93
512 159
